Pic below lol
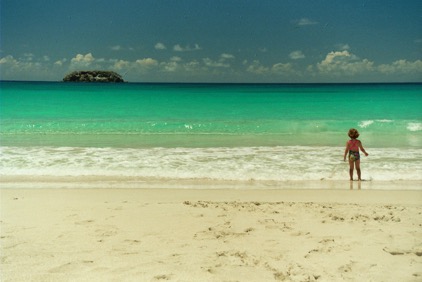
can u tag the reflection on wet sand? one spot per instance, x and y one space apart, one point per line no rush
356 184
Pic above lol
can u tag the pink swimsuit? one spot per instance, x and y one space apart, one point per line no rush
353 150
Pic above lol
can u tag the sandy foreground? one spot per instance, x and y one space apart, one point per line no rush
210 235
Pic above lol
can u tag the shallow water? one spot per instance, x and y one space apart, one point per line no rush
217 132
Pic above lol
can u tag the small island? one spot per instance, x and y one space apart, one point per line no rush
93 76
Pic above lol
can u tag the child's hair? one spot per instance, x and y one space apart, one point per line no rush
353 133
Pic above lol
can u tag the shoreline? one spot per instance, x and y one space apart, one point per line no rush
128 182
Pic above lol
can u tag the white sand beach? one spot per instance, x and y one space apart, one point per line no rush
210 235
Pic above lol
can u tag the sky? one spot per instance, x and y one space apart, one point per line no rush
259 41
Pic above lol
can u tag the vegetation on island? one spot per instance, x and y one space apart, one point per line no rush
93 76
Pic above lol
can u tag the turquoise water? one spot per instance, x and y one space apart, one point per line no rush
208 131
139 115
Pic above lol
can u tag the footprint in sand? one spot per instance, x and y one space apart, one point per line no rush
347 267
106 231
293 272
84 222
71 266
236 258
398 252
271 223
163 277
132 242
325 246
128 247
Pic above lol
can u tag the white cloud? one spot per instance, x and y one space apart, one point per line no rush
305 22
147 63
338 63
160 46
121 48
175 59
176 66
88 58
335 57
121 64
226 56
116 48
178 48
8 60
276 70
344 63
281 68
296 55
169 66
257 68
82 60
192 66
401 66
222 62
342 46
60 62
25 69
215 64
187 48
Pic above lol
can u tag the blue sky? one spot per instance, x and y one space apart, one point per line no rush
214 41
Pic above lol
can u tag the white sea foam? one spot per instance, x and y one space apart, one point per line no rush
365 123
414 126
279 163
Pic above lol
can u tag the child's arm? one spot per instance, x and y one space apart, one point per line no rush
362 149
346 150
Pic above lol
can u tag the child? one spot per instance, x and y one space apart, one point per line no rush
353 146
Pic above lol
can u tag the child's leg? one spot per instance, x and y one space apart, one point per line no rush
357 163
351 167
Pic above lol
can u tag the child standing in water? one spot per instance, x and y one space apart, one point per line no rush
353 146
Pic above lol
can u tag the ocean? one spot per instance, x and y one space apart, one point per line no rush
231 133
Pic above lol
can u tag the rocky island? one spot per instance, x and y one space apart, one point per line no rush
93 76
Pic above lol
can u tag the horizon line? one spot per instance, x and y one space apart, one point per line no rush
234 83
